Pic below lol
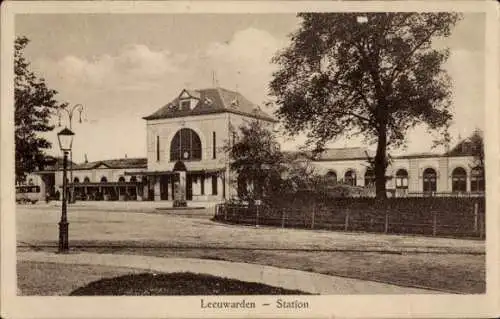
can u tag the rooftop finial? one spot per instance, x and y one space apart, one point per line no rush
238 73
215 82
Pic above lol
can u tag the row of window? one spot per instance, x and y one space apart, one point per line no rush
104 179
186 146
458 177
198 184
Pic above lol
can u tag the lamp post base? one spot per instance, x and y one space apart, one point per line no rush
63 237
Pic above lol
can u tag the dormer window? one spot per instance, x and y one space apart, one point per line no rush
208 101
185 105
235 103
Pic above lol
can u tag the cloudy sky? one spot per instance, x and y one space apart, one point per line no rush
124 67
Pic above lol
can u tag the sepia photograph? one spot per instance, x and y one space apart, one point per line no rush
249 161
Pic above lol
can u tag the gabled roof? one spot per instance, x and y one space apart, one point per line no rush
114 163
469 146
211 101
52 163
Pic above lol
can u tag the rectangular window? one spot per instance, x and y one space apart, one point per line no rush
214 185
202 184
214 148
157 148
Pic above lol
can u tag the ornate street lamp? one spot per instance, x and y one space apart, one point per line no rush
65 138
69 111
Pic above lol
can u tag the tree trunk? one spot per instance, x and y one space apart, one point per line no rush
380 163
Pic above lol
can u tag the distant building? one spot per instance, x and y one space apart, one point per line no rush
454 172
185 140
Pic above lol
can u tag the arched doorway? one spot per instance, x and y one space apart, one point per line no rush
459 180
350 177
402 179
477 180
430 178
369 178
331 177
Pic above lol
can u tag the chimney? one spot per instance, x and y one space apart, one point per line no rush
125 155
86 159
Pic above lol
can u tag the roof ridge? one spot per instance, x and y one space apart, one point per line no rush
346 148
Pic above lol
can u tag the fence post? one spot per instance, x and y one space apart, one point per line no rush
434 223
312 217
476 208
386 228
257 216
346 221
225 212
283 217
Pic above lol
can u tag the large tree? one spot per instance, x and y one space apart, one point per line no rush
257 160
374 74
34 104
477 148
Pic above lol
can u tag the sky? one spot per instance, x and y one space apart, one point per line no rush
123 67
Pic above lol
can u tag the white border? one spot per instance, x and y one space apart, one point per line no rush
376 306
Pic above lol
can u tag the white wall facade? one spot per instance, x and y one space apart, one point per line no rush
222 124
415 167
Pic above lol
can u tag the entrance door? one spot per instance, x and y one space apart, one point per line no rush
189 187
164 187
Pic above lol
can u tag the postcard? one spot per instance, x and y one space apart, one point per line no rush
239 159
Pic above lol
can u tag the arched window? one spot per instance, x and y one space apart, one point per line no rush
104 179
331 176
133 179
477 180
121 179
402 179
185 146
459 180
369 177
86 179
76 180
430 178
350 178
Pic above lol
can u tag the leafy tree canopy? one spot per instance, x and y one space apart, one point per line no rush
34 104
256 158
374 74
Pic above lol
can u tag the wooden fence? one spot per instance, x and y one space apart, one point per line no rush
432 222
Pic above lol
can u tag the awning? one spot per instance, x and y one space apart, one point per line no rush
149 173
207 171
